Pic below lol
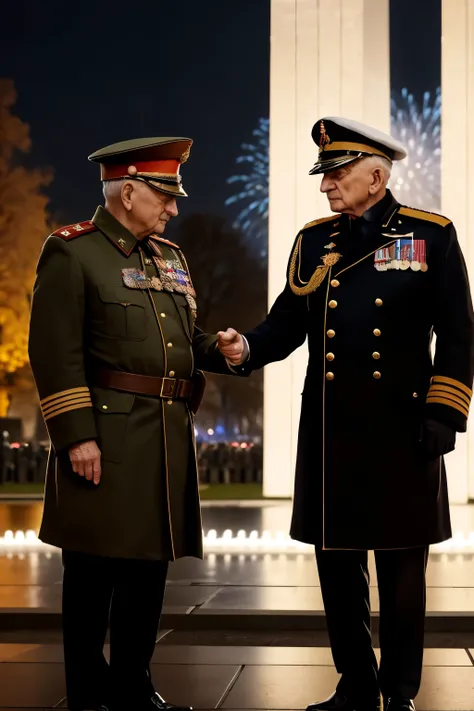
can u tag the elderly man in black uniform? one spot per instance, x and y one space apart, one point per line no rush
369 286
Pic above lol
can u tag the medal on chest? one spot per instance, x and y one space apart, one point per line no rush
403 254
174 277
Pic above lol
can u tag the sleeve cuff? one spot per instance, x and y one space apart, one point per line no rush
449 401
69 417
244 359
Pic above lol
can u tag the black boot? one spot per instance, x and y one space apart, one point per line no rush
400 704
340 702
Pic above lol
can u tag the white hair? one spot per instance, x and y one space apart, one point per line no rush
383 163
112 188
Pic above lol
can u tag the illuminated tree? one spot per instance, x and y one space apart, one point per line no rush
23 227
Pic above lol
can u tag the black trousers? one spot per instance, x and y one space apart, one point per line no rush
401 575
129 594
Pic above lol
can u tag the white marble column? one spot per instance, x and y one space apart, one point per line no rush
457 180
328 57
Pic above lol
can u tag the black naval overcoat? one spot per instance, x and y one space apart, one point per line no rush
91 311
369 294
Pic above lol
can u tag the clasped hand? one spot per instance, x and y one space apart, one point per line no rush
231 345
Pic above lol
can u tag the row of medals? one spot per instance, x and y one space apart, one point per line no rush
402 264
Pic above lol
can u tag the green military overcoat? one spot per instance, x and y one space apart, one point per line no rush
89 312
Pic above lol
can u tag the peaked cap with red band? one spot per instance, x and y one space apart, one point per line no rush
155 161
342 141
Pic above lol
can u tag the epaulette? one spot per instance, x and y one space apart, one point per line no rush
320 221
165 241
72 231
424 215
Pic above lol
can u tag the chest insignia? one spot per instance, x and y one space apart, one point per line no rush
136 279
403 254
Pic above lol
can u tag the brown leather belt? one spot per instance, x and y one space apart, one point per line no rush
167 388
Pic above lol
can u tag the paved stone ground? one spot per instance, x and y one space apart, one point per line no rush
231 677
247 631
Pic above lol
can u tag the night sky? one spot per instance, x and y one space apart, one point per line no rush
95 72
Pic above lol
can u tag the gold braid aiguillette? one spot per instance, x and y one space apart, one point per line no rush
329 260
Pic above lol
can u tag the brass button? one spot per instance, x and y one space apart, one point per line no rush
104 407
415 394
330 356
329 376
170 345
331 333
332 304
163 315
148 261
172 374
170 402
377 375
378 302
335 283
375 355
377 332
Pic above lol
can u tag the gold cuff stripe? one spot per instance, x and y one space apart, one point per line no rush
69 408
450 398
63 393
349 146
449 403
456 383
440 390
85 399
64 398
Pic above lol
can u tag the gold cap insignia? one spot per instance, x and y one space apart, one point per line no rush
323 136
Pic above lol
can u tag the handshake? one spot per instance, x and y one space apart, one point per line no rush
233 346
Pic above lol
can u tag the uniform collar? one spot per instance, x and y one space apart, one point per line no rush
383 207
114 231
380 213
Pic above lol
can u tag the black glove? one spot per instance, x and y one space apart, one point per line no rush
436 439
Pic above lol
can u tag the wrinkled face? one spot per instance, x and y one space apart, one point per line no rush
150 209
350 188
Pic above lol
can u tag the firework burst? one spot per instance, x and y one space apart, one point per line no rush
252 183
417 180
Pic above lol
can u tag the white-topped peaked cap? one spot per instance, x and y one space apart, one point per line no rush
342 141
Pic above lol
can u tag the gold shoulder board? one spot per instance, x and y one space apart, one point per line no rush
423 215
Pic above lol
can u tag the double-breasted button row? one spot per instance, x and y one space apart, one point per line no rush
331 334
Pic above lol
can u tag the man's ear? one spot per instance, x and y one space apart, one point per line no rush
126 194
377 181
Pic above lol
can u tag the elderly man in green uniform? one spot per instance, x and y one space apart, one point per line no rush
117 360
368 287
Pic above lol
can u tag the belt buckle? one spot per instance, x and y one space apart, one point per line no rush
168 388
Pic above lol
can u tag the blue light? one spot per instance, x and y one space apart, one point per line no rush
252 195
416 180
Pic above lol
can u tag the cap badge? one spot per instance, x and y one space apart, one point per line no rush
323 138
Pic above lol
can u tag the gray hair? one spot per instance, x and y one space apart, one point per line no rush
383 163
111 188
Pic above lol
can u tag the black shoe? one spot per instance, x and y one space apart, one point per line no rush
400 704
157 703
89 707
340 702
